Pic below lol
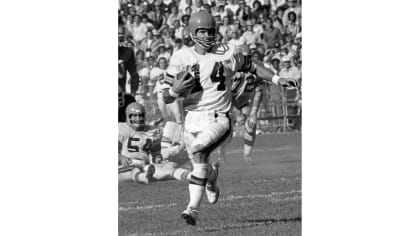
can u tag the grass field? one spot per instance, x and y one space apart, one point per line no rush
262 198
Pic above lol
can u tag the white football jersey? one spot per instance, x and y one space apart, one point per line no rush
139 144
213 73
243 85
158 74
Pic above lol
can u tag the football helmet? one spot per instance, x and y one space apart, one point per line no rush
203 20
136 115
121 100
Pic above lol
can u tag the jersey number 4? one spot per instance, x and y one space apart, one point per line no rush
217 76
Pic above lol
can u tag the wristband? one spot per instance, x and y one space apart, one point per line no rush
275 79
173 94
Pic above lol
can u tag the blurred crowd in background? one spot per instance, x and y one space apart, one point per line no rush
154 29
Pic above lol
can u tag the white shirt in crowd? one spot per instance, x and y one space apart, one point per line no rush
237 42
251 37
139 32
291 73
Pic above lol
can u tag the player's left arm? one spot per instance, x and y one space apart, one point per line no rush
244 63
256 101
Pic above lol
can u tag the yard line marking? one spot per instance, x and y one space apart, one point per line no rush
146 207
229 198
240 150
251 196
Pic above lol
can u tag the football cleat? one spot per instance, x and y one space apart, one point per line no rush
212 190
190 215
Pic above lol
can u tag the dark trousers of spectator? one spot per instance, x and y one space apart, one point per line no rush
134 84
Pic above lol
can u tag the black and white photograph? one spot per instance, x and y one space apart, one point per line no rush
209 117
218 132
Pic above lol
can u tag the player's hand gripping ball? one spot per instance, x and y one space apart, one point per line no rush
183 83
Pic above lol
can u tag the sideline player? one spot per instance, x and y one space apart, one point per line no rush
245 87
202 74
157 74
136 141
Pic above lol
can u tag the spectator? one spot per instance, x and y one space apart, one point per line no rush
184 20
178 44
236 25
245 15
220 9
241 9
235 39
140 27
289 71
178 29
169 37
271 34
226 27
127 63
165 51
291 25
129 24
276 4
185 4
292 7
257 26
138 6
188 11
198 6
256 8
232 7
207 8
249 36
219 38
278 22
175 15
148 10
140 56
159 20
148 43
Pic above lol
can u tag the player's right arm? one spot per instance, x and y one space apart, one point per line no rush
178 81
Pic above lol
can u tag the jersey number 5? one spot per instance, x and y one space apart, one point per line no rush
130 146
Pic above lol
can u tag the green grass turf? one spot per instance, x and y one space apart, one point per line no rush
262 198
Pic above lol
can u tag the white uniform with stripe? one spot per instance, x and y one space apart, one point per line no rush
138 145
209 101
158 74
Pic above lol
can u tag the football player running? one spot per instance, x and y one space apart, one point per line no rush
245 87
202 74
